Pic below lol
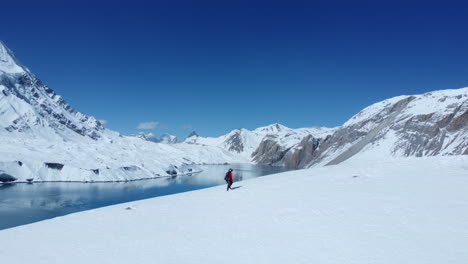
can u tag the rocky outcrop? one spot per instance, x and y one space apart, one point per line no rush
430 135
269 152
306 150
55 166
235 143
4 177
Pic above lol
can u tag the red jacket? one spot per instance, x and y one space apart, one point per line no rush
229 174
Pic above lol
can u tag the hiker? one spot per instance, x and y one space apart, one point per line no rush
228 179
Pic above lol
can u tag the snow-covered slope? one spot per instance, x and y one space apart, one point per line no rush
409 210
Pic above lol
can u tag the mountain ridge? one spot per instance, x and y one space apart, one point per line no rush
38 128
438 114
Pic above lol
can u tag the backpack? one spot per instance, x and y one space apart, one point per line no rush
226 178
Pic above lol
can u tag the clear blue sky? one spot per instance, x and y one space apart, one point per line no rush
215 66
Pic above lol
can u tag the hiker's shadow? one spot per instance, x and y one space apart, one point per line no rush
237 187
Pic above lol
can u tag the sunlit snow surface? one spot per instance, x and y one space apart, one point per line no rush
409 210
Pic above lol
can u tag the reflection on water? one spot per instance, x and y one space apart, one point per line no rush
26 203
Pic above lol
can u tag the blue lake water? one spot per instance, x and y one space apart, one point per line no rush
27 203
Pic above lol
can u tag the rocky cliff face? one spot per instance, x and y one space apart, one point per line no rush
269 152
234 142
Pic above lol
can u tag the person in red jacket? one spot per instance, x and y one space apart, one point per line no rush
228 179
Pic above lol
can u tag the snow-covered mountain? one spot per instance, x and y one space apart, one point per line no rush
249 143
28 106
42 137
146 136
168 139
164 138
430 124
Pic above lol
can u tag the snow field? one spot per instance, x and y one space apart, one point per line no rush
361 211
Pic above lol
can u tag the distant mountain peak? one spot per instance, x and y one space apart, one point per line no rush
164 138
193 134
168 139
272 128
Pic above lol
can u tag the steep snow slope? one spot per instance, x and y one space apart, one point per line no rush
409 210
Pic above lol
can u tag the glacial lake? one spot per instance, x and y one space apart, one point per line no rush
23 203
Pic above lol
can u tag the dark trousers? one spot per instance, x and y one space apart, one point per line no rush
229 183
